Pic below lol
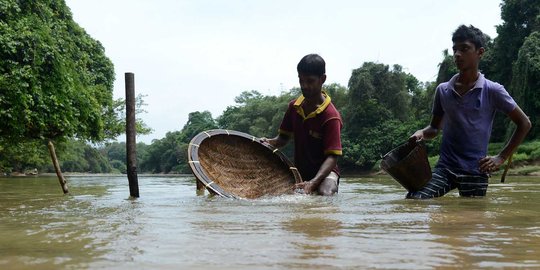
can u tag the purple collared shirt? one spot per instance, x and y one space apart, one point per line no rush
467 121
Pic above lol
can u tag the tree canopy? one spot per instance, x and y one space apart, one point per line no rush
520 19
56 83
526 80
55 80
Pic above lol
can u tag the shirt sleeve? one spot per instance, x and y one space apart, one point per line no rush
437 106
332 137
502 100
286 127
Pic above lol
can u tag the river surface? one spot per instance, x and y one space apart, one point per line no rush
368 225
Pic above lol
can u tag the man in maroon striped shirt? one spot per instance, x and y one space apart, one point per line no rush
315 125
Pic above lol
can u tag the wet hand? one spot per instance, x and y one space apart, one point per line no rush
265 140
490 163
308 187
417 136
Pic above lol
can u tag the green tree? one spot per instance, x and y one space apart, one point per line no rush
447 68
97 163
118 125
164 155
169 154
388 87
256 114
21 156
71 153
526 81
197 122
338 93
378 115
55 80
119 166
520 19
115 152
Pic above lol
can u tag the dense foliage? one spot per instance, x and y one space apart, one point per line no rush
55 80
381 105
525 87
55 85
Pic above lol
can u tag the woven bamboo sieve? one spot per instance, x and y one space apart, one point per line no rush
237 165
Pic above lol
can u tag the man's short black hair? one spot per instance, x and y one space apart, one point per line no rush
311 64
469 33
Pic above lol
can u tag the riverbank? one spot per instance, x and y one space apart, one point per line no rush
531 169
82 174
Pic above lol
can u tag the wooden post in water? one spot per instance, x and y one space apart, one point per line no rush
57 169
200 187
131 153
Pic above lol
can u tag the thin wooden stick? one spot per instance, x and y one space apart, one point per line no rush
506 169
57 169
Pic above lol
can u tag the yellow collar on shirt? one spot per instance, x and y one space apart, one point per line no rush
298 106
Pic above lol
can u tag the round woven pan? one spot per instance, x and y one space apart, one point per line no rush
237 165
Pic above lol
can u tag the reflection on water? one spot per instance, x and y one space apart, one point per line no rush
314 227
498 231
317 231
367 225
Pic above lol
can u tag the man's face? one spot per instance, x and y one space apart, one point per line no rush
466 55
311 85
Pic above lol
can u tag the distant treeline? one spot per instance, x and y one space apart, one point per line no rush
381 107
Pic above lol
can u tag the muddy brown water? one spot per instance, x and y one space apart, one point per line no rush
368 225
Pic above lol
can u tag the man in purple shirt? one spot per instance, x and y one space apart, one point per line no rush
464 108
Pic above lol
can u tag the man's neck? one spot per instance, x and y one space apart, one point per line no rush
466 81
311 104
467 77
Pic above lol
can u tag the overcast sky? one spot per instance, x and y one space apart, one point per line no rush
199 55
